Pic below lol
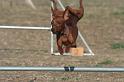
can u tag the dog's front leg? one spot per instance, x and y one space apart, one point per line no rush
59 44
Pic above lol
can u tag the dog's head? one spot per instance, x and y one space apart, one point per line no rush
58 20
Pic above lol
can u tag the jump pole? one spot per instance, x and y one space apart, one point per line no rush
25 27
62 69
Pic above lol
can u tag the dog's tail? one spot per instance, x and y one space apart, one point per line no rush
81 7
81 3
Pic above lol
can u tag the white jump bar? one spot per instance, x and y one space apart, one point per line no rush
68 54
75 69
25 27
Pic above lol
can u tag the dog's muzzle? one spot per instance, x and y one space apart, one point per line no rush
53 31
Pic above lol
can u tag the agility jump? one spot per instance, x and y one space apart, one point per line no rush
49 28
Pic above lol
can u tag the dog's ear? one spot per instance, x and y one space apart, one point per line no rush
66 14
53 13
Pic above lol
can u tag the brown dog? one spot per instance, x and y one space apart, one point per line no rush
64 25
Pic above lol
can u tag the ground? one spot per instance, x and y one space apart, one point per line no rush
102 27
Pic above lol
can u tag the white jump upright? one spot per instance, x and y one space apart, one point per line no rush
52 42
29 2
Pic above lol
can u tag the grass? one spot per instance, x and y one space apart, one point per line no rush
70 78
117 46
105 62
65 78
119 13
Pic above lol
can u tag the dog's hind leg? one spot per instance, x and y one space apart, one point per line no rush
77 12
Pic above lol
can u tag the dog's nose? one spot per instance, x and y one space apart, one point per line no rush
52 29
